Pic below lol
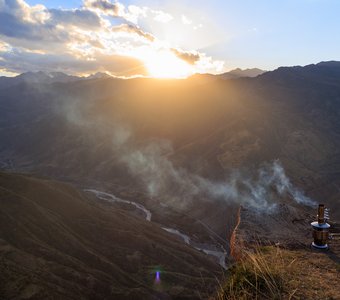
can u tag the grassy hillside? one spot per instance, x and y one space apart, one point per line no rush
274 260
273 272
57 244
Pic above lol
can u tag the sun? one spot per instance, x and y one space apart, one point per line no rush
168 65
165 64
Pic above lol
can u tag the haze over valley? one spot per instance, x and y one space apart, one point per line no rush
189 151
136 163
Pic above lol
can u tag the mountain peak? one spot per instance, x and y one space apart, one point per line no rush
238 72
99 75
331 63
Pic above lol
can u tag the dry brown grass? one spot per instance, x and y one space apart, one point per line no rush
278 273
261 274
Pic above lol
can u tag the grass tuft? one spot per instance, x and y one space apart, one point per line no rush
260 274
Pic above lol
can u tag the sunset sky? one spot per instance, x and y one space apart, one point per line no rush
173 38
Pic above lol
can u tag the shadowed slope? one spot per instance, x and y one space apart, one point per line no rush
56 243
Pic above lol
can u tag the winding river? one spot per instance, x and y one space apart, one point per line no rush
113 198
206 248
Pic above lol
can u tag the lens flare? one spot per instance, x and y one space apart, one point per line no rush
158 277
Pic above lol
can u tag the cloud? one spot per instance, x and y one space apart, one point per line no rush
23 23
20 9
30 35
129 28
207 64
105 6
74 41
161 16
189 57
4 47
17 60
185 20
202 62
136 12
11 27
77 17
79 39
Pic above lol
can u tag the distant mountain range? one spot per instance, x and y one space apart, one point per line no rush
233 74
214 125
237 73
51 77
46 78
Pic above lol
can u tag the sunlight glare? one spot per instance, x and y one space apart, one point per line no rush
164 64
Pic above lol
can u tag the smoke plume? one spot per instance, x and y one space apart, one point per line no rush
150 165
180 187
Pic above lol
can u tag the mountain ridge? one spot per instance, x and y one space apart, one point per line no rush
221 125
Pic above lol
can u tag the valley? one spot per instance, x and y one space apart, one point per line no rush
107 181
56 242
